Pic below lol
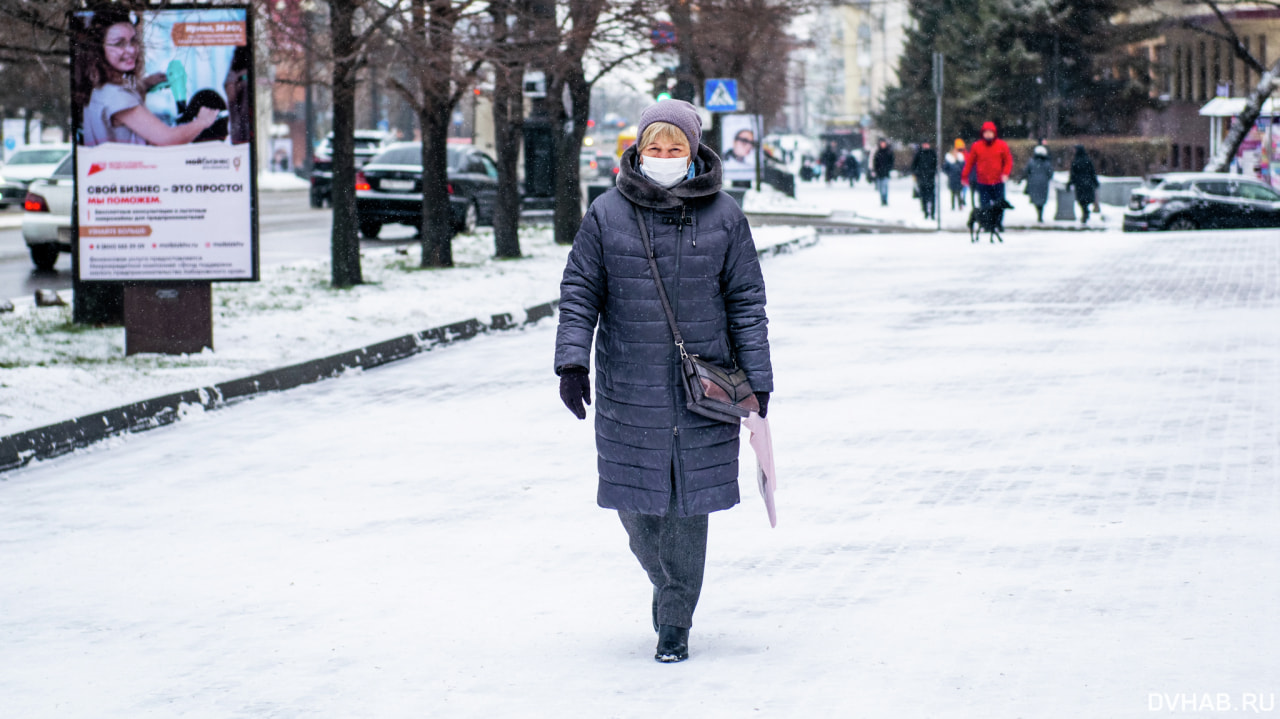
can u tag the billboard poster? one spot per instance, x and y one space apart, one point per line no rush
162 104
741 135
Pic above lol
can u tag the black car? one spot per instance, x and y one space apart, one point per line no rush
1199 200
389 188
368 144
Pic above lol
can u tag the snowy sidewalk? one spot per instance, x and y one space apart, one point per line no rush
1037 480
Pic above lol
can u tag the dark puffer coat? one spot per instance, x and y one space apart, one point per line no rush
644 434
1039 174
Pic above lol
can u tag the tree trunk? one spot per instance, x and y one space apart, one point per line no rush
1267 84
508 130
508 116
437 218
345 239
569 130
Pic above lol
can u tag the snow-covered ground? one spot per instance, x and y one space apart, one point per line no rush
1032 480
862 201
51 370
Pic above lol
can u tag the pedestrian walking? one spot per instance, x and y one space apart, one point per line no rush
924 167
882 169
1039 176
1085 181
953 167
850 168
661 466
829 158
991 163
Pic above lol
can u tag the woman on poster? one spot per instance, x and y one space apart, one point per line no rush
110 93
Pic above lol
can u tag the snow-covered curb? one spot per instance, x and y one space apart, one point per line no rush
69 372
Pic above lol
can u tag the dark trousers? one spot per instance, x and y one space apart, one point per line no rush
673 552
991 195
1084 211
928 195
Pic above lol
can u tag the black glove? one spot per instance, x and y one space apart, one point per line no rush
763 399
575 389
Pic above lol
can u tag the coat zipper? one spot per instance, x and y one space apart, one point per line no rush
675 309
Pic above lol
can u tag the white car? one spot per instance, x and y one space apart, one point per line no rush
46 223
30 163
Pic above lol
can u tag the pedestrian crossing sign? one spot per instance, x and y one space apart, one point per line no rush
721 95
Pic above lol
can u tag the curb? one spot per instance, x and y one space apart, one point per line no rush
19 450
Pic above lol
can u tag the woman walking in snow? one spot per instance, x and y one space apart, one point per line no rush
1039 175
953 166
1085 180
662 467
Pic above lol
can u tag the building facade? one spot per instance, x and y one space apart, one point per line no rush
853 59
1192 67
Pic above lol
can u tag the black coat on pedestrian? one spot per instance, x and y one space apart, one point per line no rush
882 162
924 166
1083 177
829 159
1039 175
708 263
849 168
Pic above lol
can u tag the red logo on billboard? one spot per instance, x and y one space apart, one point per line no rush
97 167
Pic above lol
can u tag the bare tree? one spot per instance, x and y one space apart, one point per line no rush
510 49
742 39
353 24
440 68
593 38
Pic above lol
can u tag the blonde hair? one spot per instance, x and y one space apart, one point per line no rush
662 132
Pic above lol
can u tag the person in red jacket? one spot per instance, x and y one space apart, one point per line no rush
993 162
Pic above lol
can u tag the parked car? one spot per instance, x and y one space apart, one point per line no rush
368 144
389 188
588 167
1199 200
29 163
46 224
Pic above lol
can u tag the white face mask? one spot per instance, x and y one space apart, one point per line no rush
665 171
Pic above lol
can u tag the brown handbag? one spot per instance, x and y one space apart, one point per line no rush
709 390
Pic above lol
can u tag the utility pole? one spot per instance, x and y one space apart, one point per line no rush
1052 131
938 86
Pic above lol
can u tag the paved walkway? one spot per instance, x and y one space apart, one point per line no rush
1032 480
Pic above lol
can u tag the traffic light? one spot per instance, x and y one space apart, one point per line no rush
662 85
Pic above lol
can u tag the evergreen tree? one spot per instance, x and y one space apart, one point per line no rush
1000 63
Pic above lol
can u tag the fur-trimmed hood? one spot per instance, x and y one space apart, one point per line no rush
642 191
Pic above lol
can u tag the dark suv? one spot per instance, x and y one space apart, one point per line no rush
1199 200
368 144
389 188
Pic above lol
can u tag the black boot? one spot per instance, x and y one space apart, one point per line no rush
673 644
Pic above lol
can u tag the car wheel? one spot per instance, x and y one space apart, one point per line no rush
469 220
44 256
370 229
1181 224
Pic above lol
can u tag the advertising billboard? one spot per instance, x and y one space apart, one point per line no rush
162 103
741 134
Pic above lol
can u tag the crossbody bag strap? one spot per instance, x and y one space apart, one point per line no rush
657 280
